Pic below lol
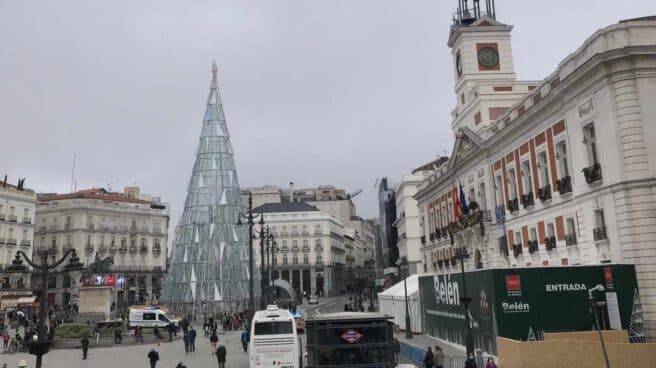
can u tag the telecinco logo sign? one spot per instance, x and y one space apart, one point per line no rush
513 285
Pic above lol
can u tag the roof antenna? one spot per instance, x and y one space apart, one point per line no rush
214 69
73 172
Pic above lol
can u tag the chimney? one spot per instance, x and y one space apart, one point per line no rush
291 191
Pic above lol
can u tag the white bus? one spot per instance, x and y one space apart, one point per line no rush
273 340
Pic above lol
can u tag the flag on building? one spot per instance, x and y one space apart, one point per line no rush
463 202
457 208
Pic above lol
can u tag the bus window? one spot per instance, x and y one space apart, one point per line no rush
162 318
274 328
149 316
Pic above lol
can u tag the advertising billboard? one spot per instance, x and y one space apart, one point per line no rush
523 303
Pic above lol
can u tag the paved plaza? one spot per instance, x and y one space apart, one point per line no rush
135 356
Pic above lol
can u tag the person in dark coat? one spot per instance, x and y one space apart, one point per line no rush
185 339
221 356
428 358
192 339
245 339
85 346
170 329
153 357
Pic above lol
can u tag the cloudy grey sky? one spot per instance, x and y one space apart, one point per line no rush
319 92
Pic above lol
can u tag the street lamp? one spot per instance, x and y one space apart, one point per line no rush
263 234
271 246
599 288
406 272
462 254
250 217
39 346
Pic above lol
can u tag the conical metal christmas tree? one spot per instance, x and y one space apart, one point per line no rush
209 266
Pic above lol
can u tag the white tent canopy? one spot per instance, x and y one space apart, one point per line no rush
392 302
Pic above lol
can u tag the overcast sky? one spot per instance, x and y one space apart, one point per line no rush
317 92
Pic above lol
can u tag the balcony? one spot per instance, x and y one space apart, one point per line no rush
2 241
133 249
423 239
284 233
306 249
67 226
440 263
318 232
544 193
513 205
143 249
550 242
295 249
157 251
285 249
12 218
133 229
570 240
91 227
121 249
113 250
27 220
599 234
294 233
305 232
431 236
517 250
102 248
25 243
532 246
527 200
445 232
318 248
565 185
2 217
592 173
10 241
454 261
53 227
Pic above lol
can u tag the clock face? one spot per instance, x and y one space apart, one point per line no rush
488 57
459 64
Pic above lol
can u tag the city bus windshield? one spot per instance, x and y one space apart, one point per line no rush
273 328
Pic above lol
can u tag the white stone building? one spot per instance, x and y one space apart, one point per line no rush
17 206
407 221
130 227
567 164
310 252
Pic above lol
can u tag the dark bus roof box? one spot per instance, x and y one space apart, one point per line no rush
347 317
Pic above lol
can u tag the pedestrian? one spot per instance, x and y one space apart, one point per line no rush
192 339
185 339
214 338
221 356
153 357
5 340
397 350
438 357
428 358
85 346
490 363
244 340
117 335
180 365
170 328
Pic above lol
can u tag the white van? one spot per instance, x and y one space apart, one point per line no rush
147 317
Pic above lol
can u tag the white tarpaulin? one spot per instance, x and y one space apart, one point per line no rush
392 302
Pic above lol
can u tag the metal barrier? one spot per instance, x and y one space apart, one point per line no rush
416 355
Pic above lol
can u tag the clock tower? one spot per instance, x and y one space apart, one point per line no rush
482 57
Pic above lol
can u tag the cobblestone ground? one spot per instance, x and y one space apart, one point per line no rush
135 356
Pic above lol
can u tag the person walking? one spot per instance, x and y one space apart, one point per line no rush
428 358
185 339
438 357
192 339
397 350
153 357
117 335
85 346
244 340
490 363
170 328
221 353
214 338
5 340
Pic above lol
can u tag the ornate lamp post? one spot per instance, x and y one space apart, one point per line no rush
271 248
263 233
593 309
250 217
462 254
405 268
39 346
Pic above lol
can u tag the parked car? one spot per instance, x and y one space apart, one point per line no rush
313 299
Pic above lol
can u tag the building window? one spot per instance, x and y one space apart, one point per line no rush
571 227
518 238
294 230
284 259
483 196
274 230
561 157
306 259
12 211
512 186
599 231
543 169
526 177
317 229
67 281
550 231
590 142
295 259
274 260
284 231
69 240
284 246
26 213
319 259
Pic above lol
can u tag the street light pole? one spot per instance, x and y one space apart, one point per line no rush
408 327
250 217
263 235
461 254
596 320
40 345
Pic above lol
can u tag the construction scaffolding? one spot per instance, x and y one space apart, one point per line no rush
208 272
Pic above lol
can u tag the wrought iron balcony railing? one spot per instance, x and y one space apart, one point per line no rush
25 243
532 246
565 185
599 233
592 173
12 218
570 240
518 249
513 205
27 220
544 193
527 200
550 242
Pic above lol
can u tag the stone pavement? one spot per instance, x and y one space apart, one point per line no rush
122 356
